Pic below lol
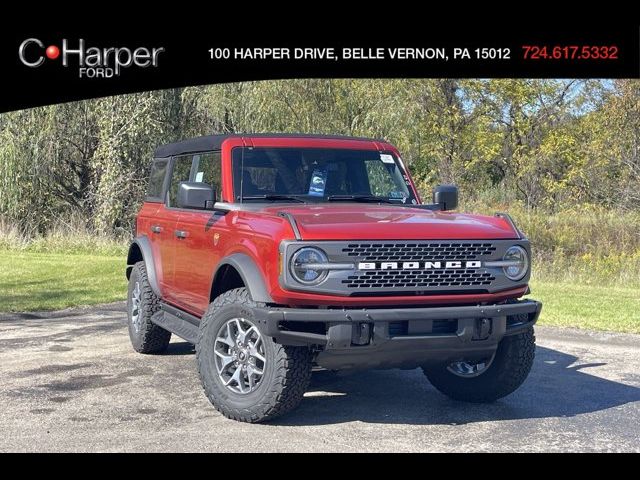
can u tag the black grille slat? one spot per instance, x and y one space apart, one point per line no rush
420 278
414 252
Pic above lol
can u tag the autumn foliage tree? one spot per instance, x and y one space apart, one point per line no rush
547 144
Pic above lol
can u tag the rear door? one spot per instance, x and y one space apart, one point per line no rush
155 223
197 251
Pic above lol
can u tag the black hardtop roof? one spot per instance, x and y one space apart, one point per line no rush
214 142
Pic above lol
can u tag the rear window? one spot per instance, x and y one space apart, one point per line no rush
156 180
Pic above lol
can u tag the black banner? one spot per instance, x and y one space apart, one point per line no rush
41 67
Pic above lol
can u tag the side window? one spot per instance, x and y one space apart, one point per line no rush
181 173
156 180
207 169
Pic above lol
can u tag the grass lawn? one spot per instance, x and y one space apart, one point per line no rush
590 307
49 281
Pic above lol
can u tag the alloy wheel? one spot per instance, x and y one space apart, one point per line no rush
239 355
136 300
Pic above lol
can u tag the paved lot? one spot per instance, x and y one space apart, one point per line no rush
69 381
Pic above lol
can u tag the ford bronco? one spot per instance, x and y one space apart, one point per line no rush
275 254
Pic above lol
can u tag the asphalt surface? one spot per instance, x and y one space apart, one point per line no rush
69 381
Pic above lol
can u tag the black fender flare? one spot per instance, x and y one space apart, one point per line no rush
250 274
143 244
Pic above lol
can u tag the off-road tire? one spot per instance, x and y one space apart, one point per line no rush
509 369
150 338
287 369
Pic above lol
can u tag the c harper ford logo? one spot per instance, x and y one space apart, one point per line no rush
92 62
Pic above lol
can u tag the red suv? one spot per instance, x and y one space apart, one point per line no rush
276 253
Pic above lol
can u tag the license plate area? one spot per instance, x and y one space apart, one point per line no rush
423 327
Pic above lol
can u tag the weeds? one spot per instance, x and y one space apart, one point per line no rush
587 244
71 237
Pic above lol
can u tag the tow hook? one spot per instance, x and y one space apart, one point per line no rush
482 329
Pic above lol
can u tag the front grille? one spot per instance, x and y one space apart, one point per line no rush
420 279
411 268
439 279
423 252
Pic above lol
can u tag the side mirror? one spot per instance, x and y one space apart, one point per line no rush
197 195
446 196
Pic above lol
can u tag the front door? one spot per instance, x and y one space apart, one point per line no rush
198 236
197 255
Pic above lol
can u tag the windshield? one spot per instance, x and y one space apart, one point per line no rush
318 175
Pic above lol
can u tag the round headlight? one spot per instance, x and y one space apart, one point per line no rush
303 262
518 264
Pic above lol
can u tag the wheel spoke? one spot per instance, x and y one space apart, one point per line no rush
247 333
241 383
234 378
228 338
226 360
253 351
226 341
241 333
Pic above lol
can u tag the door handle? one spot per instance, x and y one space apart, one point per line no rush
156 228
181 234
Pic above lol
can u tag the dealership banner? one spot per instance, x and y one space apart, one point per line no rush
44 67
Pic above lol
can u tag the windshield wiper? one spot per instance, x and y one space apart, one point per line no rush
358 198
272 197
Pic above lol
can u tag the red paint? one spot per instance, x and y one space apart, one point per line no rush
163 244
186 267
341 221
52 52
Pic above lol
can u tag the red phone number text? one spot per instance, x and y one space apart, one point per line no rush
570 52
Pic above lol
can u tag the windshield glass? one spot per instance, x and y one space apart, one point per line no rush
318 175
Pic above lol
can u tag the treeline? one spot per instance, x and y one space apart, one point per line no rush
545 144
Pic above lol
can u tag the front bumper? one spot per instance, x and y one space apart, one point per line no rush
404 337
